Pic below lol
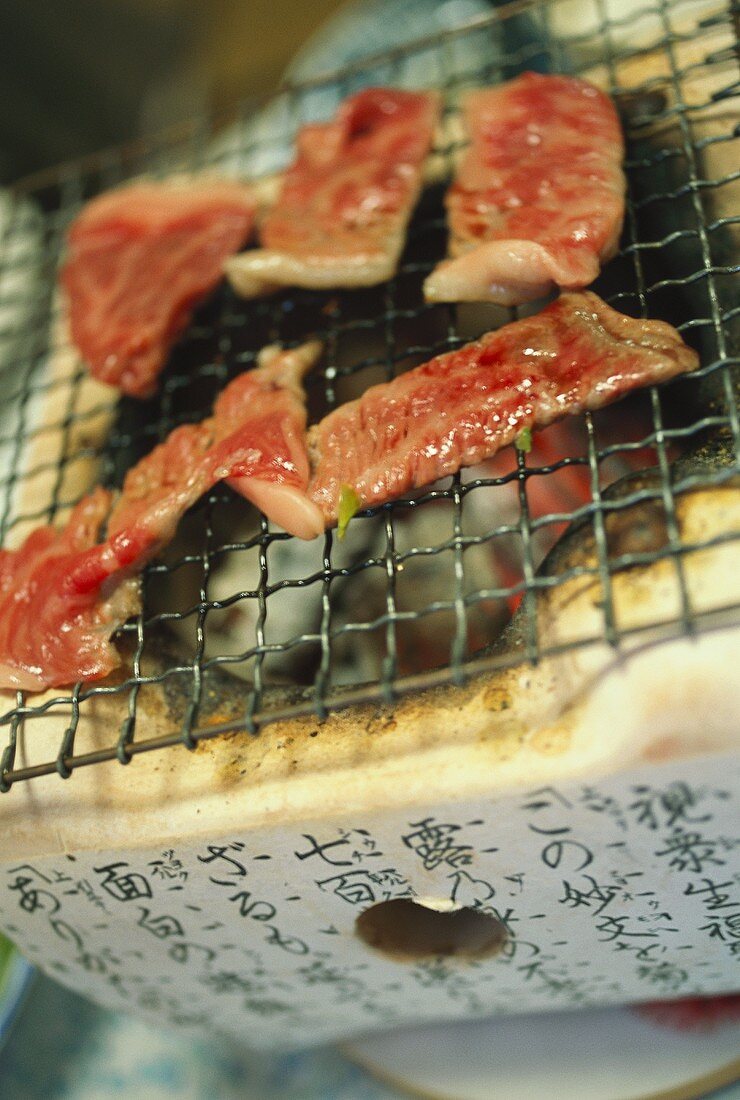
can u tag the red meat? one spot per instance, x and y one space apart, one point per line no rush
341 217
62 594
539 196
56 611
255 440
140 259
460 408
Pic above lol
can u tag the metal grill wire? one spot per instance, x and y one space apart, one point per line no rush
673 69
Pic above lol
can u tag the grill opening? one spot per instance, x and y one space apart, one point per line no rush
405 930
420 590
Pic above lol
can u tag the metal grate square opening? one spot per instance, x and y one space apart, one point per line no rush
420 590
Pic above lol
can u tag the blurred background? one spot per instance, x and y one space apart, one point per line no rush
83 75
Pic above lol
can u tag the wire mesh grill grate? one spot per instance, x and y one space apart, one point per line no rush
420 588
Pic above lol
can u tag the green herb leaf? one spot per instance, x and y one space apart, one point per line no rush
349 506
523 441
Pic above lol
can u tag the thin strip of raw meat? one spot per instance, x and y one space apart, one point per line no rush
462 407
539 196
62 594
56 612
266 409
140 259
255 440
341 217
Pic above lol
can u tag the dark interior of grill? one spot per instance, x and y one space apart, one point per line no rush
419 590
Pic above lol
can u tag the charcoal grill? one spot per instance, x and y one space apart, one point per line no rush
333 745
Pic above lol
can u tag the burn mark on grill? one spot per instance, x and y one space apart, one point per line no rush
640 529
641 108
